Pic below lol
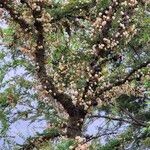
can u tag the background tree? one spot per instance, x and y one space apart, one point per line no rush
87 60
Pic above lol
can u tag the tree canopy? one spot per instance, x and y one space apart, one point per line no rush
80 61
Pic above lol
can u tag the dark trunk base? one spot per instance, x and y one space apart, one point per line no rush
74 127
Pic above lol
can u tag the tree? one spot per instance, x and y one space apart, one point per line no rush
84 56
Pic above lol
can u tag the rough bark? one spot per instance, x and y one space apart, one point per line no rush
74 127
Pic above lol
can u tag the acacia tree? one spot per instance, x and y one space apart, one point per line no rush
84 55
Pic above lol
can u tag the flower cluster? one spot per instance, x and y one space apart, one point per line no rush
81 144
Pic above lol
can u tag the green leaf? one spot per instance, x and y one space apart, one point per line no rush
4 122
65 144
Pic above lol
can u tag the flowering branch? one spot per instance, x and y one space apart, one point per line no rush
16 16
123 80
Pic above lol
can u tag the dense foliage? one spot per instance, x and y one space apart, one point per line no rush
79 61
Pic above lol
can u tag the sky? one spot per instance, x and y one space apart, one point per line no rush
20 129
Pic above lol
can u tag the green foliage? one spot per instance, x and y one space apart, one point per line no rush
65 144
102 4
9 96
146 142
59 52
112 145
2 74
7 34
52 132
2 55
46 146
69 8
95 145
147 84
129 102
3 122
144 36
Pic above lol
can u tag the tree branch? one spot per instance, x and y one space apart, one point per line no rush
68 10
105 52
117 119
100 135
16 16
123 80
46 81
35 141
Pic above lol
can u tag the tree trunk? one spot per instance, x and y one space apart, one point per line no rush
74 127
